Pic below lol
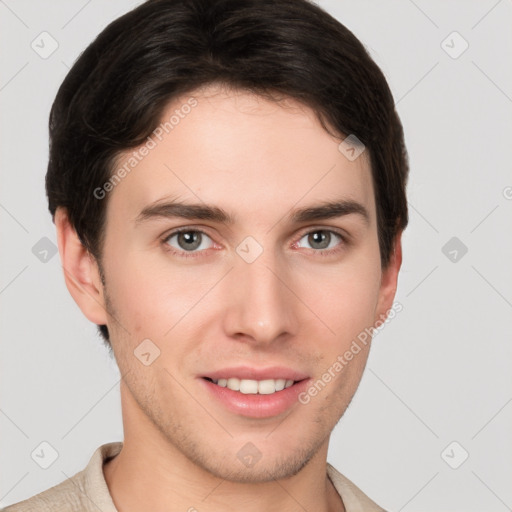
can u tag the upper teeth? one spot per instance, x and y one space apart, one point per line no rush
247 386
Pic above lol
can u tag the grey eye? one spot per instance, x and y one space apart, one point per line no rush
321 239
188 240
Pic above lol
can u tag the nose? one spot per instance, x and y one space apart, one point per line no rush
261 307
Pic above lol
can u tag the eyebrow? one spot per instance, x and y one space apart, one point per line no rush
323 211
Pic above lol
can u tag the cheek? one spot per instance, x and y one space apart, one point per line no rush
151 295
346 299
347 306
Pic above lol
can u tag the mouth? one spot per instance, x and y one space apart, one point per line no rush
254 387
255 392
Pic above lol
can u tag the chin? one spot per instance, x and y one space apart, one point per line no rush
249 464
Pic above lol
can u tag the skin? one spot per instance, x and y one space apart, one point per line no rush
292 306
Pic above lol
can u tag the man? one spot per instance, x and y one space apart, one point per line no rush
227 179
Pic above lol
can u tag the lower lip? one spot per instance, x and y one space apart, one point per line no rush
256 405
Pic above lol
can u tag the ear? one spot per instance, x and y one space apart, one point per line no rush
81 271
389 280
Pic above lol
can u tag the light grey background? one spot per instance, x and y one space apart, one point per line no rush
439 372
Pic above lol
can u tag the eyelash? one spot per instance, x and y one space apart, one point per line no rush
185 254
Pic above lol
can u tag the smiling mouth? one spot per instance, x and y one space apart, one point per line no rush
253 387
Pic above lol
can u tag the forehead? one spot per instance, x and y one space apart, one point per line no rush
241 151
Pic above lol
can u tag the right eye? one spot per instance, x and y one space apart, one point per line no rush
187 240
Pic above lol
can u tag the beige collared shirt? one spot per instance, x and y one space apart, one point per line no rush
87 491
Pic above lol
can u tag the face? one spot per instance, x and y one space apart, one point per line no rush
257 288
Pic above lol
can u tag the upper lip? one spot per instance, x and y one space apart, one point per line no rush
250 373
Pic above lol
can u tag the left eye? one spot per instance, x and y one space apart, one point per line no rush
321 239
